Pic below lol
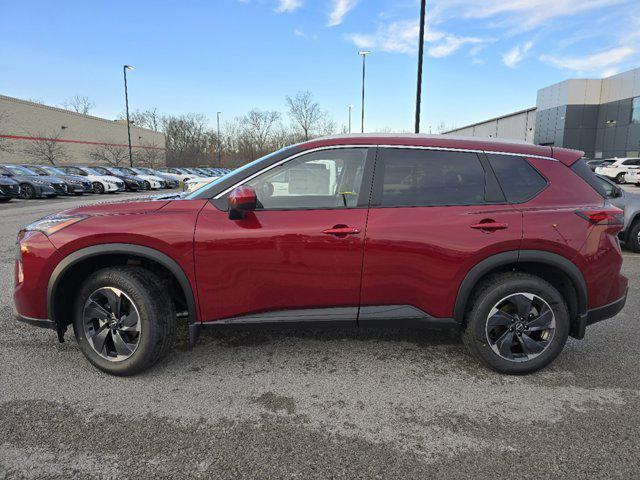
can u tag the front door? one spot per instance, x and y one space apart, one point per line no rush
299 255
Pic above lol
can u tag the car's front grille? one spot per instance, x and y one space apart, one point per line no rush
120 184
59 187
9 189
87 185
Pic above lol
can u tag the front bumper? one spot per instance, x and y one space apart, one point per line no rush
10 191
45 191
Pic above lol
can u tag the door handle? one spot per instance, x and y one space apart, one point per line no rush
490 226
341 230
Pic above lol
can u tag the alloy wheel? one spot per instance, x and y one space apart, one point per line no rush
520 327
27 192
111 324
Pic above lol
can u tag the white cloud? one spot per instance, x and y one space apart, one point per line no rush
339 9
514 56
602 62
298 32
518 14
450 44
403 37
285 6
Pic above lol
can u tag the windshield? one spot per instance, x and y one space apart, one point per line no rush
146 171
239 170
91 171
21 170
102 170
53 170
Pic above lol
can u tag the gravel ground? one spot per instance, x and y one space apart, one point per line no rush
314 403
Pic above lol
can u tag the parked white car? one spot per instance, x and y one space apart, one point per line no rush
622 170
155 183
196 183
178 173
101 183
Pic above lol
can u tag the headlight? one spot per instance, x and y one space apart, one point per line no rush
50 225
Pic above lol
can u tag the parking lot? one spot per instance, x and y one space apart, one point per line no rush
314 403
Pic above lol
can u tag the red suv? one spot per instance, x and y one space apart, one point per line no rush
513 244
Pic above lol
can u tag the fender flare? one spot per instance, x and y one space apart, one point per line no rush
520 256
121 248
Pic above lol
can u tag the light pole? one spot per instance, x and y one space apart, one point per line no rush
364 54
126 102
350 107
420 56
219 143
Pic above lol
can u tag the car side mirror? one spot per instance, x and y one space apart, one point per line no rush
617 192
241 200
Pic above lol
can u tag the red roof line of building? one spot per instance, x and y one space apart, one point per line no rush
43 139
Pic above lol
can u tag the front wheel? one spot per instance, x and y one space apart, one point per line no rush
98 187
27 192
620 177
124 321
517 324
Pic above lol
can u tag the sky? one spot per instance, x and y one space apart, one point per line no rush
483 58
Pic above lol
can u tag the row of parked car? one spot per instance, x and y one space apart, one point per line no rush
621 170
46 181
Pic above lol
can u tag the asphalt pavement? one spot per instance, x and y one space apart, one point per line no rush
336 403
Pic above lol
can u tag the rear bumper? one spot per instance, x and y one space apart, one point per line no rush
35 322
598 314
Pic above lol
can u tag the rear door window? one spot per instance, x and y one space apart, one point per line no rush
417 177
520 182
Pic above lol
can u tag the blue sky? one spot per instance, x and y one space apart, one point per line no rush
483 58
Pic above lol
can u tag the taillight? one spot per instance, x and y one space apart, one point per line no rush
603 216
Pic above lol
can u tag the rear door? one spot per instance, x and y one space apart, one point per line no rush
434 215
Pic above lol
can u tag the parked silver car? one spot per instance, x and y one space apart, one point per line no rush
630 203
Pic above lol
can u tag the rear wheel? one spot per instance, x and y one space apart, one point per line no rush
124 321
633 240
517 323
27 191
620 177
98 187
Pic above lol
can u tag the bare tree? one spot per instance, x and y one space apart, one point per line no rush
149 156
114 155
258 125
305 112
79 103
187 140
46 148
149 118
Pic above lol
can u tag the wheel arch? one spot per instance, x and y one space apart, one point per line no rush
78 257
556 269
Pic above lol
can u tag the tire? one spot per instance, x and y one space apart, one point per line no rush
27 192
620 177
98 188
147 185
482 339
633 239
141 293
